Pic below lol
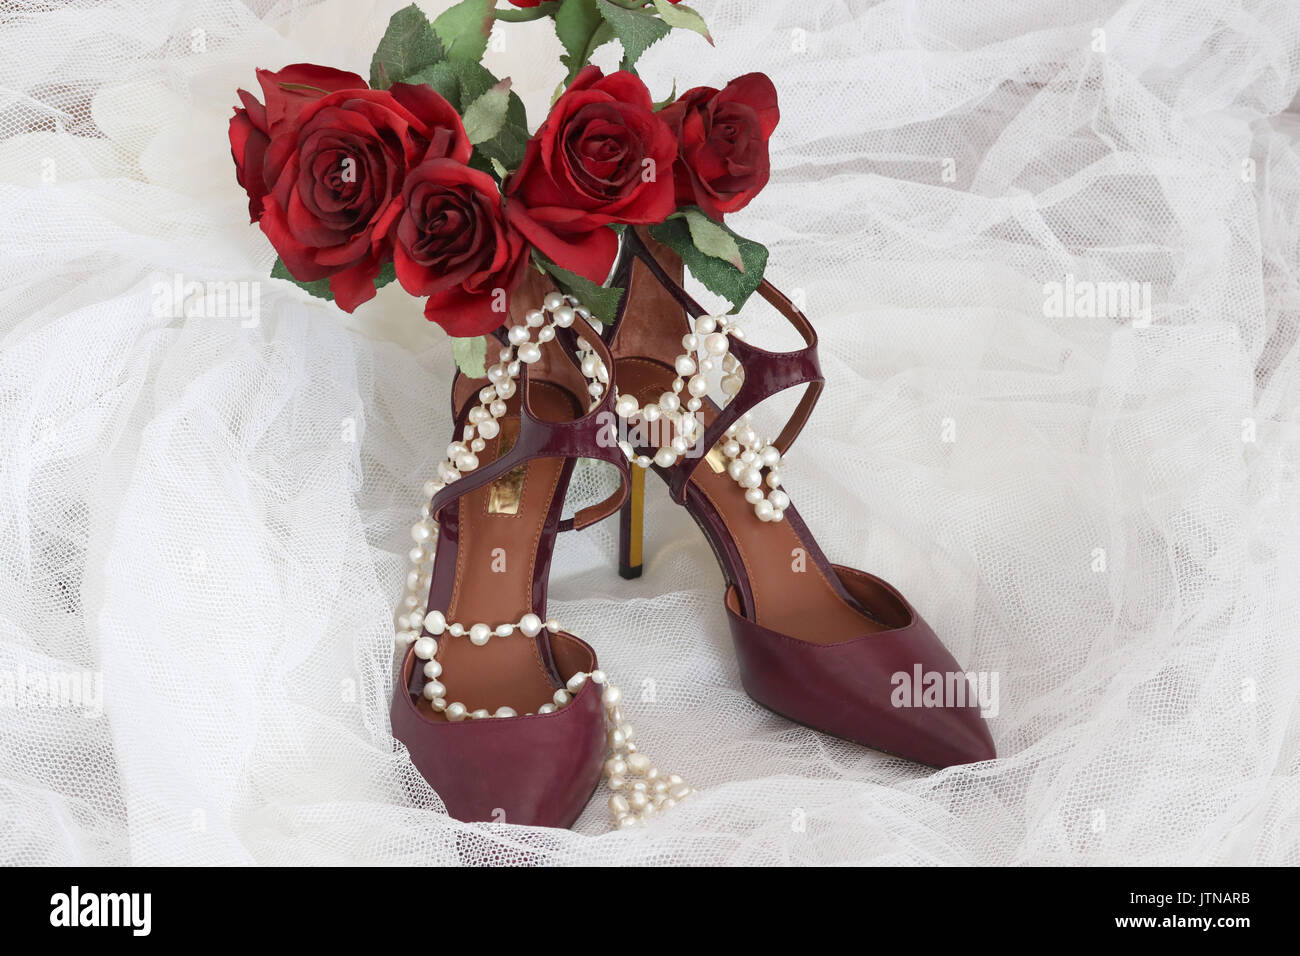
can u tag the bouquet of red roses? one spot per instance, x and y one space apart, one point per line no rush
427 174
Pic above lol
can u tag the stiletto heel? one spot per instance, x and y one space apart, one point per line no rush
631 526
820 643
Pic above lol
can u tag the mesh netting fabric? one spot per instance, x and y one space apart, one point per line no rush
206 517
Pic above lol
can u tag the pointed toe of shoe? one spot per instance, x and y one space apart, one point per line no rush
897 690
534 770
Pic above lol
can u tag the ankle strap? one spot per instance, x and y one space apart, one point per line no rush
592 434
765 373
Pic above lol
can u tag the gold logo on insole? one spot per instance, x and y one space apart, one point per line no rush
505 492
717 461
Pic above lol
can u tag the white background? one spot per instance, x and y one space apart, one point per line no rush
214 518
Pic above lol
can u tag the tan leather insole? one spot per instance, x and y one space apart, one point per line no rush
499 526
791 595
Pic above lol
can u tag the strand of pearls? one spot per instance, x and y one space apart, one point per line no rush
746 455
639 788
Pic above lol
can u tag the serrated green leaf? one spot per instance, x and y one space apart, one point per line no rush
601 300
680 15
470 354
576 23
719 277
461 84
635 30
464 30
408 46
712 238
320 288
486 116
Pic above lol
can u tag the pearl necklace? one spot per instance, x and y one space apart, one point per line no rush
745 454
638 788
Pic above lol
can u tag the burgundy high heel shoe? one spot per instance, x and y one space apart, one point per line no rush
819 643
503 712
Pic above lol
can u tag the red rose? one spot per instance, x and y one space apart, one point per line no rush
286 92
601 157
723 159
455 246
329 177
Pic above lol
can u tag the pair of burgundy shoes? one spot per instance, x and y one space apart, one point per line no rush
506 714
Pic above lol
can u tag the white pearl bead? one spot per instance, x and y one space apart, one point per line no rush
456 711
774 479
530 352
421 531
534 318
643 461
455 630
546 709
780 500
552 625
560 697
716 344
504 630
638 763
589 366
764 510
611 696
481 714
505 712
425 648
771 456
506 389
435 623
690 341
705 324
699 385
564 316
669 402
489 429
467 461
497 374
618 804
530 624
432 670
626 406
518 334
479 634
753 495
751 478
434 689
598 676
651 413
665 457
574 683
545 334
685 365
408 637
552 301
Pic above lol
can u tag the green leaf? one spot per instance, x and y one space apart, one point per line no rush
408 46
486 116
461 84
634 29
464 29
668 102
601 300
719 277
576 23
320 288
712 238
680 15
470 354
